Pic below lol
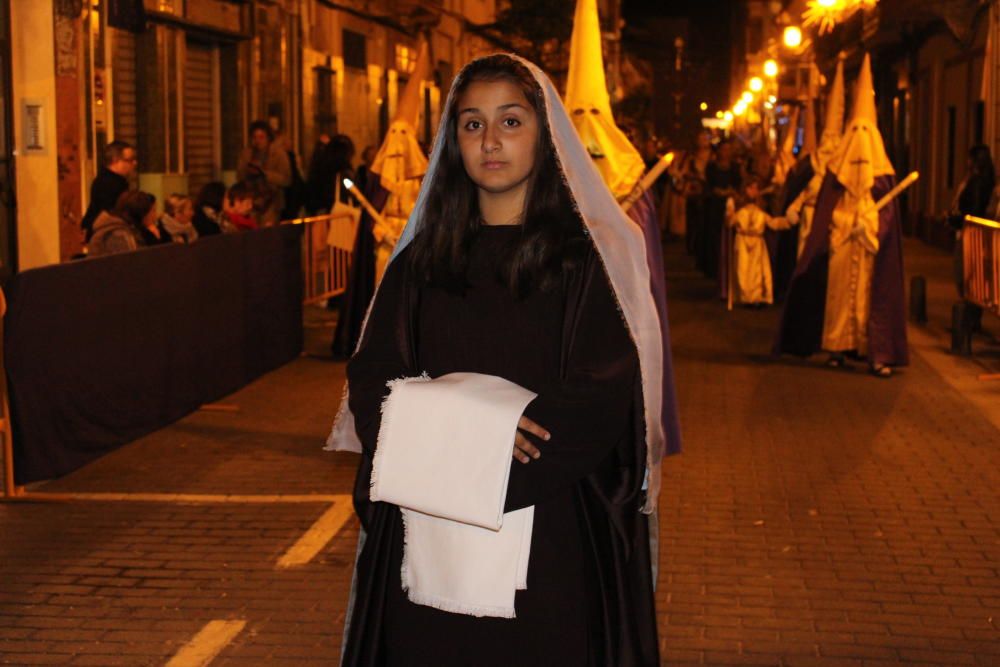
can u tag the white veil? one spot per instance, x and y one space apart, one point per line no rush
620 244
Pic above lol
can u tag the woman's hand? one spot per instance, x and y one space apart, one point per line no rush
524 451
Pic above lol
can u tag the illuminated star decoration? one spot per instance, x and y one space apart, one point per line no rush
826 14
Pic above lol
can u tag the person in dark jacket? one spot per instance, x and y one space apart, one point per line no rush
331 161
111 181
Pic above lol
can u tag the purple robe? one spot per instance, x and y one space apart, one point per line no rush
783 245
801 329
643 212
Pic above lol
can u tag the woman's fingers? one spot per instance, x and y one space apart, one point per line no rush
524 451
526 424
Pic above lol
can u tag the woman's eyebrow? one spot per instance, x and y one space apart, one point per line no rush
502 107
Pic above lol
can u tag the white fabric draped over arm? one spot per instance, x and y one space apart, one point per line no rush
443 456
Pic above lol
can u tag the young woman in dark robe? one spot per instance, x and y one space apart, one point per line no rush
517 262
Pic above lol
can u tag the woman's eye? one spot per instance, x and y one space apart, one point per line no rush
473 125
511 122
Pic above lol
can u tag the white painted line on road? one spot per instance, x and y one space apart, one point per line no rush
192 498
207 644
321 532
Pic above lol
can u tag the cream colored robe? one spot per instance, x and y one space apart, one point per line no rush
753 263
394 216
853 246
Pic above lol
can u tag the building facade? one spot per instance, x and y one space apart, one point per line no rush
182 79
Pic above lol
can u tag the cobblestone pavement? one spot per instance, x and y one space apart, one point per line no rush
817 517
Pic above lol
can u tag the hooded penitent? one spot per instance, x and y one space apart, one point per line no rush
802 208
589 104
400 164
847 292
392 190
619 528
620 165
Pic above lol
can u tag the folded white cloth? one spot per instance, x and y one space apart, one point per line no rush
444 455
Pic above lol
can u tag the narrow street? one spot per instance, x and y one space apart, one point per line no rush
816 517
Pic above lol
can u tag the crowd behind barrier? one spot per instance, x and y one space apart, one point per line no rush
103 351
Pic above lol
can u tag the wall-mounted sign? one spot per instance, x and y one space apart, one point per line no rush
33 124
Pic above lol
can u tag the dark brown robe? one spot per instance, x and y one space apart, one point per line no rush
589 599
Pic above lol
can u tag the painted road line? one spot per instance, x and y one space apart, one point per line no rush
321 532
207 644
190 498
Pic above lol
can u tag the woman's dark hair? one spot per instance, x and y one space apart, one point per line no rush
133 206
552 232
341 152
982 163
210 195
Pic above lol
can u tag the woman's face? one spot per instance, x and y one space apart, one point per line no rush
497 135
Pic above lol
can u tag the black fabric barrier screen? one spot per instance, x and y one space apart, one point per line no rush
105 350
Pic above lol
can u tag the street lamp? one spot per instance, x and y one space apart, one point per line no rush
792 37
746 97
728 116
756 84
771 69
740 108
704 106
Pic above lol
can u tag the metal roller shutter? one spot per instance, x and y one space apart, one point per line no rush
200 129
124 87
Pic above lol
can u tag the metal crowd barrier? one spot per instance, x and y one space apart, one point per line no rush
327 244
981 249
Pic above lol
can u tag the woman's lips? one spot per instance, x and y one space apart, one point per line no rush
494 165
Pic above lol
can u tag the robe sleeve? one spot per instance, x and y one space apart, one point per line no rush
590 411
381 356
777 223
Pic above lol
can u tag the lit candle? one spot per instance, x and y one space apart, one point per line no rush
648 180
349 184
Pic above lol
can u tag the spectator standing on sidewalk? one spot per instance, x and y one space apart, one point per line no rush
265 163
111 181
971 198
331 161
363 173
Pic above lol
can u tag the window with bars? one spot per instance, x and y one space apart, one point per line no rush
326 110
355 55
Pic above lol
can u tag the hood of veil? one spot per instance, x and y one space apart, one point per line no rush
619 243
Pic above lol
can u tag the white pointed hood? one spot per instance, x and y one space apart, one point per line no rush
861 156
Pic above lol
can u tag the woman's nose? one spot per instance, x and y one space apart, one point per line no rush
491 143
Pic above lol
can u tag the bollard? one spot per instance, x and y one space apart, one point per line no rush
961 329
918 299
